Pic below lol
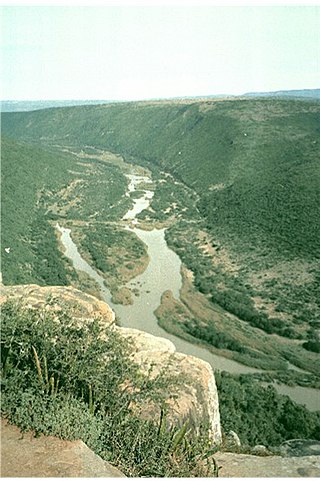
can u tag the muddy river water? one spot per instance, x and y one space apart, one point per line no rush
161 274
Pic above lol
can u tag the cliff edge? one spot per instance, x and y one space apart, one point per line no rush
197 399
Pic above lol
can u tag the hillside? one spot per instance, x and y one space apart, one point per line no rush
35 184
259 155
254 165
27 105
236 186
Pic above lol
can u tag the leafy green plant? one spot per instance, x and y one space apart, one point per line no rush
73 380
243 404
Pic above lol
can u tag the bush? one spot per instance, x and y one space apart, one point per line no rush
74 380
243 407
313 346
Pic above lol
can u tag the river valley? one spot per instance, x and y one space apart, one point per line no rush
162 273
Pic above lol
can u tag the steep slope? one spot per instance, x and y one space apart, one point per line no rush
39 186
253 162
29 175
254 165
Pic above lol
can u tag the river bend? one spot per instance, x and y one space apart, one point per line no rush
161 274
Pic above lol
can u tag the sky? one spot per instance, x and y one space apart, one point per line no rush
131 52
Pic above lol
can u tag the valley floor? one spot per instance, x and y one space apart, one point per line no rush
193 316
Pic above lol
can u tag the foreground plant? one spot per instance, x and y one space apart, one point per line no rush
63 378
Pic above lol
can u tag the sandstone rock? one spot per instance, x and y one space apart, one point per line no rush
260 450
145 342
55 298
23 455
249 466
232 439
197 397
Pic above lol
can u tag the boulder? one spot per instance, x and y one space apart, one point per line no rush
232 439
260 450
197 396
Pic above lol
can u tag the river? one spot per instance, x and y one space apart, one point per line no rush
161 274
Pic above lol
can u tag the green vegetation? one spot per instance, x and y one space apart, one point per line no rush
253 164
52 384
117 253
38 188
65 379
194 318
242 209
225 288
243 408
29 176
96 194
240 202
171 201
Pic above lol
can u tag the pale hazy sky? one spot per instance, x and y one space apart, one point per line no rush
137 52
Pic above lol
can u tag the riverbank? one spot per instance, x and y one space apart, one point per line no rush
159 277
115 252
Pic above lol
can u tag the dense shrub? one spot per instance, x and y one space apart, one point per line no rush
243 407
65 379
313 346
212 336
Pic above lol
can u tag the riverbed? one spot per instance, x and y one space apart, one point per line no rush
162 273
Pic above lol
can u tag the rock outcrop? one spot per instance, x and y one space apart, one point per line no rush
27 456
56 298
197 397
250 466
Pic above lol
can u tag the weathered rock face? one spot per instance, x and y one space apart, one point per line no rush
249 466
56 298
23 455
197 397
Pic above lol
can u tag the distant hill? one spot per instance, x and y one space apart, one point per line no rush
29 105
305 93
